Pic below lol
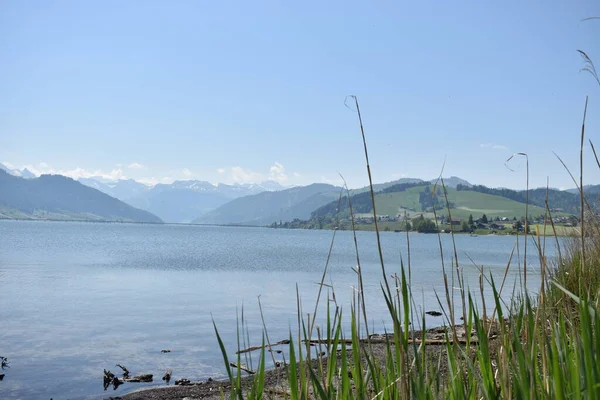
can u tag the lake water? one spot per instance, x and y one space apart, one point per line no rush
80 297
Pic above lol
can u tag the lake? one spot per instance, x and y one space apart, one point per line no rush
80 297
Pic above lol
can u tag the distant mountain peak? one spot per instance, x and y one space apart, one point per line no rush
21 173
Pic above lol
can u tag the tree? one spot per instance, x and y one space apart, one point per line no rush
484 219
465 227
408 226
470 219
320 222
518 226
420 224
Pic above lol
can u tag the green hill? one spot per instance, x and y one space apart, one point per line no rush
452 181
60 198
557 199
415 199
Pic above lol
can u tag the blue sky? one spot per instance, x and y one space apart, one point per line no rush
246 91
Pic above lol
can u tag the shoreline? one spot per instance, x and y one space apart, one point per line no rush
276 379
474 234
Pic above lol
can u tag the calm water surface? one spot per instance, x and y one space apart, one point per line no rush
80 297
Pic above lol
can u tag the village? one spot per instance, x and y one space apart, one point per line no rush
481 224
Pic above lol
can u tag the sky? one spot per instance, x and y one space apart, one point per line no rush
238 91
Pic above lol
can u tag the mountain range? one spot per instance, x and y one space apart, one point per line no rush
268 207
57 197
22 173
180 201
250 204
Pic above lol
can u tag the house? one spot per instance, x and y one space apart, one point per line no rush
455 221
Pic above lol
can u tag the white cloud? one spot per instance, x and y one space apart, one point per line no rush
116 174
186 172
240 175
493 146
221 170
76 173
297 175
8 165
135 165
277 173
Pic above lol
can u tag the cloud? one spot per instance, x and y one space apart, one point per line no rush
76 173
240 175
493 146
186 172
221 170
135 165
297 175
277 173
8 165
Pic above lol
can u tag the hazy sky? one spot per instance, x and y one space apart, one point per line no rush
245 91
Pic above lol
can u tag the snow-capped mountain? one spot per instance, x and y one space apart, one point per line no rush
21 173
123 189
180 201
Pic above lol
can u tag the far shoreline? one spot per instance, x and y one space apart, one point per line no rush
477 233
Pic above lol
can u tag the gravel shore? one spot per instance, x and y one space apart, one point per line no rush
276 379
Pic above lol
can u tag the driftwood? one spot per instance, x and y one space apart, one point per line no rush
243 368
349 341
110 378
139 378
410 341
125 371
249 349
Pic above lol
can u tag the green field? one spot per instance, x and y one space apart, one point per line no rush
466 203
560 230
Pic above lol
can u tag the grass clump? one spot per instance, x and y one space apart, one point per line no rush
579 276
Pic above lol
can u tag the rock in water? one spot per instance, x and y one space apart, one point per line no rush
434 313
167 376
